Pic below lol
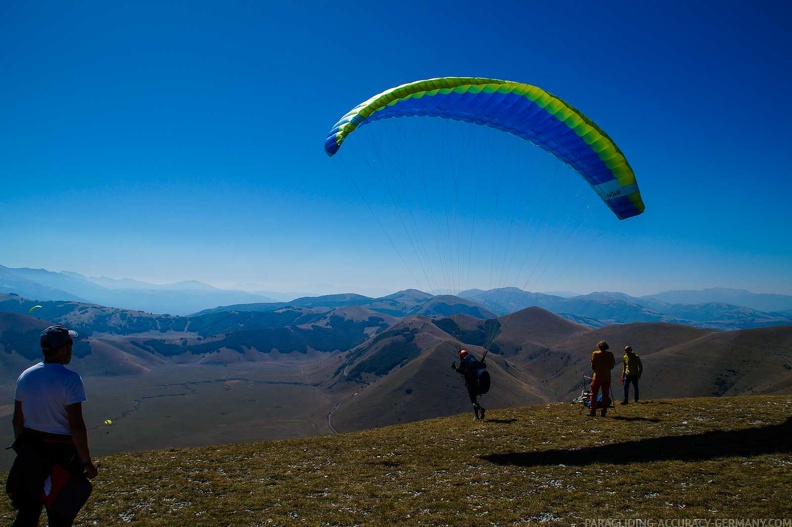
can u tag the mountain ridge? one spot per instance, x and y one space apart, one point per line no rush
715 307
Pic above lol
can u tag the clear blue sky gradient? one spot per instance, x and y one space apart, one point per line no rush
170 141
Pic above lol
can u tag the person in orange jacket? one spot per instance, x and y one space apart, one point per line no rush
602 362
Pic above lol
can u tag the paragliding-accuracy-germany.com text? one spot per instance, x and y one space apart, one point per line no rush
689 522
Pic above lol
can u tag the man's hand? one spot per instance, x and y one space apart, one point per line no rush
90 470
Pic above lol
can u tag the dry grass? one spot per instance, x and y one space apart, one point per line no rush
672 459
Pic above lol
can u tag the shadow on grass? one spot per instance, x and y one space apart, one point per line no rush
772 439
502 421
650 419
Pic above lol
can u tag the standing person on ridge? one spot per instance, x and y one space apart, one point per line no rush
632 369
469 367
602 362
49 430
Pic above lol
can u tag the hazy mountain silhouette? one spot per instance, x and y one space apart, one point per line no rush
605 308
180 298
736 297
725 309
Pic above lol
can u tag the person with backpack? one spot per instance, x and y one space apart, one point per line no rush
476 379
602 362
51 440
632 369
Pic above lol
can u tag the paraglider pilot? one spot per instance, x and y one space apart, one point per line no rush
474 372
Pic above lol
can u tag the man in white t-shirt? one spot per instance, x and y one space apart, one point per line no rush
49 429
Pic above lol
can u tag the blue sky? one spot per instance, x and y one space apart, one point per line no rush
170 141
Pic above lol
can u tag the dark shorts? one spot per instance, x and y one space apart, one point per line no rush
37 454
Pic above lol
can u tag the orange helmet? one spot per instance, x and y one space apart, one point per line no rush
463 354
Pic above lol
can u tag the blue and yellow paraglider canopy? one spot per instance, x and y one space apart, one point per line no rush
30 311
526 111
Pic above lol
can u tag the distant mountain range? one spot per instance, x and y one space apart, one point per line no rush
181 298
725 309
605 308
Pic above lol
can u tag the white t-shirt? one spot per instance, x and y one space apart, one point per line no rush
44 391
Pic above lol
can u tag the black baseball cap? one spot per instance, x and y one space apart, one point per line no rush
56 336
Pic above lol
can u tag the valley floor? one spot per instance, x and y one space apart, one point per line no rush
195 405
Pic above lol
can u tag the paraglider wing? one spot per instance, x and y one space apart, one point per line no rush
32 308
526 111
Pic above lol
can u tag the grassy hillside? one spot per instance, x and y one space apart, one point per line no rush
661 460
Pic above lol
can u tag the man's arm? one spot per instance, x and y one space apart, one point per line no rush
79 436
18 419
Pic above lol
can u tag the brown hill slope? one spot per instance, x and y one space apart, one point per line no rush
563 364
427 387
407 374
679 361
751 361
106 359
534 327
94 356
395 347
